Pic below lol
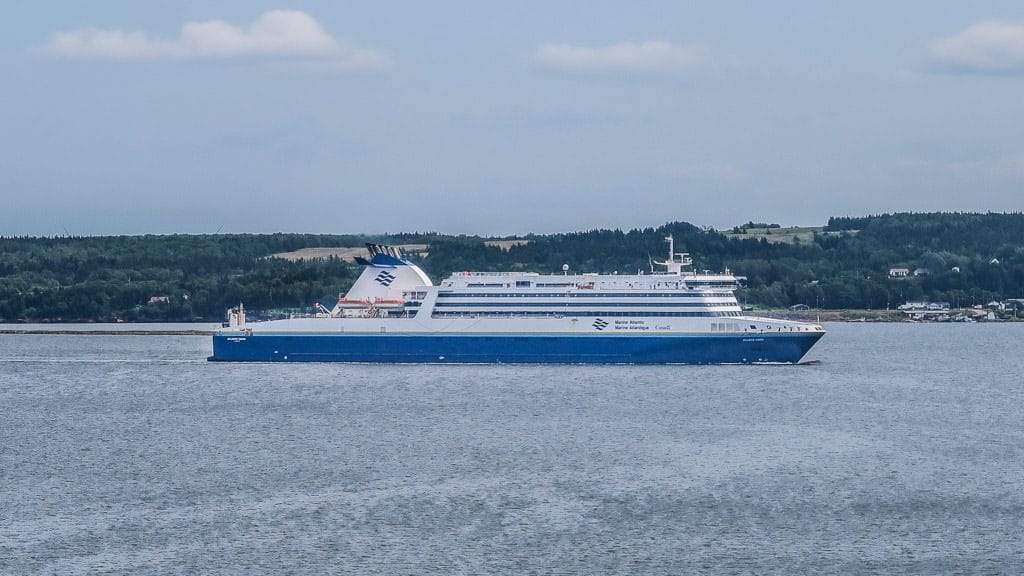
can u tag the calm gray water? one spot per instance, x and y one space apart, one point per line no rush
899 450
111 327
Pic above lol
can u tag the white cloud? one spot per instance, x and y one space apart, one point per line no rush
643 57
277 34
985 47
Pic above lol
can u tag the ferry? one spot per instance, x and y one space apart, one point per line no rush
394 313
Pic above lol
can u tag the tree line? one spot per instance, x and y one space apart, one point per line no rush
969 259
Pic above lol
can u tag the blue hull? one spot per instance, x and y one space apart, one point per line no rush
514 348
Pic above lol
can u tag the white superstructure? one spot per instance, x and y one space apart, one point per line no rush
393 295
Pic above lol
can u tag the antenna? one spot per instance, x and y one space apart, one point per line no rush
565 269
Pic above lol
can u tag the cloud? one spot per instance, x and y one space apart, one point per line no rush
645 57
990 47
277 34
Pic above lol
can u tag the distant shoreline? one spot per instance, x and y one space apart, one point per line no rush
190 329
110 328
101 332
855 315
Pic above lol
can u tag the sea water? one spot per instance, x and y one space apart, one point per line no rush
896 449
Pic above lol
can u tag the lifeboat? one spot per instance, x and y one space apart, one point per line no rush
351 303
388 303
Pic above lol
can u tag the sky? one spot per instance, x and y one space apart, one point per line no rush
467 117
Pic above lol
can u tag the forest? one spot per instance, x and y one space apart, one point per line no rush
960 258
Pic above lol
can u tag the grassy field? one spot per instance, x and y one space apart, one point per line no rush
506 244
787 235
348 253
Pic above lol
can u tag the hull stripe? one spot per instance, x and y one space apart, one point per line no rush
618 348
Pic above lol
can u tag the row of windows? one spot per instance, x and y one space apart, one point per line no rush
712 283
520 284
578 304
600 294
521 313
651 295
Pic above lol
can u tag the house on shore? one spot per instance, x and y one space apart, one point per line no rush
930 311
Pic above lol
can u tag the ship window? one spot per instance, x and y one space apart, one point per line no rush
522 283
560 314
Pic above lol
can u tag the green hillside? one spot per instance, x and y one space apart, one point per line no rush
970 258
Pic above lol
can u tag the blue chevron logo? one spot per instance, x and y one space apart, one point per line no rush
385 278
